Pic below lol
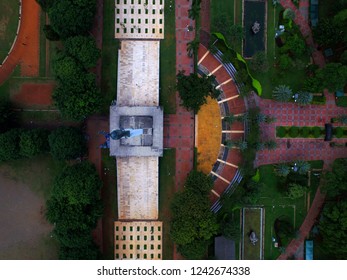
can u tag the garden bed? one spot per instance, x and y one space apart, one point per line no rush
308 132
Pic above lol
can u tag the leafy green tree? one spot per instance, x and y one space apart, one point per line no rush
284 230
336 180
83 49
296 45
231 229
270 145
9 145
285 62
88 252
194 90
302 166
282 93
236 118
72 17
340 19
76 102
282 170
33 142
343 58
289 14
296 191
342 119
67 143
261 118
327 33
304 97
193 224
45 4
259 62
194 11
333 228
50 33
333 76
239 144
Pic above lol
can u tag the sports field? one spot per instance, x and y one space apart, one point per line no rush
254 11
252 220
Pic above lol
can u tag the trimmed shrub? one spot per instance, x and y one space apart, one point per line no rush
319 100
281 131
33 142
316 132
294 131
305 132
338 132
9 145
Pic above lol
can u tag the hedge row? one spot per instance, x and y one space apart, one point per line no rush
307 132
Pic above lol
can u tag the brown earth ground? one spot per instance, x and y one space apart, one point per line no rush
24 231
209 135
31 95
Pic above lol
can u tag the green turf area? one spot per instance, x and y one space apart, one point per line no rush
252 222
109 56
109 198
9 20
168 62
277 204
167 170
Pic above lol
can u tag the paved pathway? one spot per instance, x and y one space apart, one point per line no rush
305 29
179 127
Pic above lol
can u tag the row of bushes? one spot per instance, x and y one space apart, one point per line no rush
63 143
307 132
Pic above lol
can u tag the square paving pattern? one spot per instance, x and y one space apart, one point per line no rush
139 19
137 186
138 73
138 240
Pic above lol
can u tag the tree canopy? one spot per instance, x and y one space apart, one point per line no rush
67 143
194 90
83 49
9 145
33 142
193 224
333 76
72 17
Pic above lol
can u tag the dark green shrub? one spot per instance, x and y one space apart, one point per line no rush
316 132
319 100
338 132
305 132
294 131
9 145
33 142
281 131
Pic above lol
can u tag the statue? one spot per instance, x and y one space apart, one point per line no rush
256 27
118 134
253 237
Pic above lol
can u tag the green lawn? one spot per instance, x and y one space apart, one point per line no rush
109 56
9 12
168 62
109 197
167 170
276 204
252 222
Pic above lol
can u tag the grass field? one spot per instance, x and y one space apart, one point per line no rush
168 62
252 221
167 170
109 56
109 198
9 12
276 204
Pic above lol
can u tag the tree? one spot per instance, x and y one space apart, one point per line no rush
282 170
45 4
83 49
304 97
194 90
194 11
284 230
302 166
296 191
33 142
295 44
259 62
67 143
50 33
80 100
236 35
88 252
327 33
340 19
9 145
72 17
333 228
333 76
282 93
343 58
239 118
342 119
239 144
336 180
231 229
285 62
270 145
193 224
289 14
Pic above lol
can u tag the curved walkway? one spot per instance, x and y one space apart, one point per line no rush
226 166
26 47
